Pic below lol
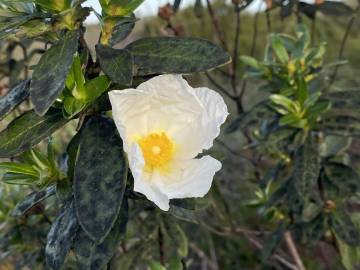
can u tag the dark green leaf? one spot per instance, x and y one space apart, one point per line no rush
50 73
15 95
178 236
92 256
342 178
122 29
106 250
100 177
257 115
28 130
31 200
176 55
347 100
183 213
305 178
117 64
60 236
341 125
335 8
344 227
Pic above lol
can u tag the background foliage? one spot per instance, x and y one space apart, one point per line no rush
287 197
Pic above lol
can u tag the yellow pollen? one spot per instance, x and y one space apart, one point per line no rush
157 150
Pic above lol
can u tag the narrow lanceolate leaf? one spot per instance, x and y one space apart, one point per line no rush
117 64
60 236
304 180
341 125
31 200
100 177
307 168
28 130
176 55
50 73
16 95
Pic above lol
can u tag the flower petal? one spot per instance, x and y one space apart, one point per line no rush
192 178
143 181
200 134
163 103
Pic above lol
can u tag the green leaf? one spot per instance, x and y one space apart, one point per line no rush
60 236
122 28
100 177
96 87
350 256
345 100
122 7
106 250
73 106
343 178
335 8
154 265
50 73
183 214
178 236
14 97
92 256
28 130
284 101
250 61
344 228
279 48
20 179
117 64
176 55
19 168
31 200
256 116
341 125
305 178
333 145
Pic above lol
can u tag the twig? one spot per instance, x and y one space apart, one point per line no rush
161 246
218 86
268 20
203 256
276 256
216 25
293 251
343 44
236 50
252 51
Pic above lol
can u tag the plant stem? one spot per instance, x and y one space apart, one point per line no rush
161 246
293 251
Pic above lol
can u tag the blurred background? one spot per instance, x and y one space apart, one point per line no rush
209 248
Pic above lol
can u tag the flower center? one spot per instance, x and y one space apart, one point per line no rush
157 150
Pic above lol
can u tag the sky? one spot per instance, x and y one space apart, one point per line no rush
150 7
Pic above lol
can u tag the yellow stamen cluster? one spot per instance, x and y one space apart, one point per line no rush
157 150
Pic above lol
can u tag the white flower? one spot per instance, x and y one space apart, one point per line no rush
165 124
